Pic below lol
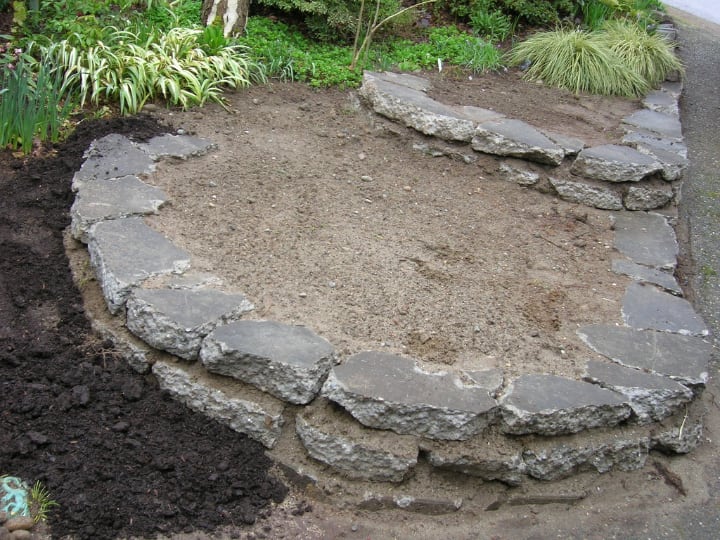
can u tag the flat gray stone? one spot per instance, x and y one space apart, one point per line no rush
126 252
648 197
675 89
636 138
562 460
112 198
570 145
112 156
648 275
420 84
177 146
401 99
552 405
662 101
645 307
614 163
652 397
515 138
518 172
587 193
385 391
355 451
493 460
289 362
646 239
177 320
683 358
666 125
425 506
239 407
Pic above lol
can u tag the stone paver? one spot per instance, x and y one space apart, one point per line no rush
552 405
614 163
662 101
652 397
648 275
515 138
646 239
400 98
126 252
289 362
683 358
112 156
645 307
385 391
177 320
653 140
112 198
666 125
176 146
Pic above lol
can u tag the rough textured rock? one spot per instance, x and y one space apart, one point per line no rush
646 239
683 358
385 391
570 145
490 460
555 462
112 156
112 198
126 252
289 362
646 307
430 507
653 140
490 379
638 272
648 198
661 101
177 320
677 440
518 172
673 164
589 194
652 397
402 98
515 138
614 163
235 405
552 405
354 451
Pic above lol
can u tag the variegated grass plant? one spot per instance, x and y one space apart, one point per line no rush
620 59
133 67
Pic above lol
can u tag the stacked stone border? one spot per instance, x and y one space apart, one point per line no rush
375 419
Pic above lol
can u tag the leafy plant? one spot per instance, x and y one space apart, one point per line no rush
578 61
35 99
172 65
648 55
493 25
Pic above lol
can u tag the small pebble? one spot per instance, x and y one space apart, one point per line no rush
407 188
302 295
20 534
19 523
354 527
366 178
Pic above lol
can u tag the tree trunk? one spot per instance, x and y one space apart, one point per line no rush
232 13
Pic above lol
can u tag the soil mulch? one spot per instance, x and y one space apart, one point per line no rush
117 454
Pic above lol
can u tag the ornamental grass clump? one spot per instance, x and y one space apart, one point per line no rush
578 61
649 55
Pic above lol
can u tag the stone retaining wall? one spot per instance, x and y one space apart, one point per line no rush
375 417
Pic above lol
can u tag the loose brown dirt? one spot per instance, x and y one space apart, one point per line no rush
428 257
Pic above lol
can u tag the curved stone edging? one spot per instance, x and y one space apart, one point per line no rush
272 371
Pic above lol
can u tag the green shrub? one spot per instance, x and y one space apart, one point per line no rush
492 25
578 61
335 20
532 12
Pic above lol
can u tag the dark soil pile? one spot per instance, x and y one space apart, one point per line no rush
119 456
